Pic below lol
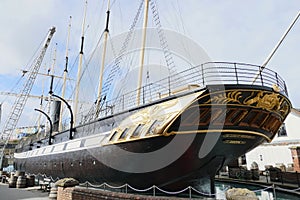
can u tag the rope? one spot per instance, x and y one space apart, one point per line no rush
167 192
116 67
296 189
293 190
88 184
96 186
13 88
85 184
266 188
202 193
139 190
115 187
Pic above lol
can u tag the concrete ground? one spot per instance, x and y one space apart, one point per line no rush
32 193
286 187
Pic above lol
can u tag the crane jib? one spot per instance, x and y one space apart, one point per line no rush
21 100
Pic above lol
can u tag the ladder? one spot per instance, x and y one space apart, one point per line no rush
162 38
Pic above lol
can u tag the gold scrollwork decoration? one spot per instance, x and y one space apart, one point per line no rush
284 110
268 101
272 101
224 98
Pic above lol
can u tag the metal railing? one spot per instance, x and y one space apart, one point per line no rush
211 73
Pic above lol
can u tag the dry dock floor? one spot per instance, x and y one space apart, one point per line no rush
32 193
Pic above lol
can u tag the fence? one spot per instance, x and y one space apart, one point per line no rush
188 192
211 73
283 177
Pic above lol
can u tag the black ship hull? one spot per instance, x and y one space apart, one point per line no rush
185 149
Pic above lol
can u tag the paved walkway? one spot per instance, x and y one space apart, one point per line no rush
32 193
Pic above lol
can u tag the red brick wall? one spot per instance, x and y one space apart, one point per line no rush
296 158
64 193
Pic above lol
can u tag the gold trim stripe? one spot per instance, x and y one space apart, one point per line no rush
220 130
190 132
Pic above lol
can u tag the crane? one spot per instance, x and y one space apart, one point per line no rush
17 95
20 101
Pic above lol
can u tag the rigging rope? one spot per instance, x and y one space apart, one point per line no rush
116 66
163 41
13 88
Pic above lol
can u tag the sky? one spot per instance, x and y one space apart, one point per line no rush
231 30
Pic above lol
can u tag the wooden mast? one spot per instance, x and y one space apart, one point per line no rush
65 75
51 86
41 102
79 66
106 31
142 53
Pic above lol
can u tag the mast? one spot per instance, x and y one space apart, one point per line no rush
79 66
65 75
106 31
42 96
142 54
51 86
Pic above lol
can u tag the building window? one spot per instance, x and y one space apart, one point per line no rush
282 131
243 160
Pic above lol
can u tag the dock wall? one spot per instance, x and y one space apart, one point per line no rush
78 193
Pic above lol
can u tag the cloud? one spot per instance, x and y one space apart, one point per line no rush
240 31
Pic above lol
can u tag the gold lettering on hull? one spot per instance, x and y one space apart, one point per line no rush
238 136
234 142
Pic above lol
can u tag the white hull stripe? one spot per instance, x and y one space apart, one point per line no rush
83 143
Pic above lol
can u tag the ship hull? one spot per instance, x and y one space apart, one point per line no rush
189 169
214 128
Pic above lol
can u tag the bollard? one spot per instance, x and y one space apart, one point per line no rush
297 178
30 180
53 193
12 181
21 182
274 191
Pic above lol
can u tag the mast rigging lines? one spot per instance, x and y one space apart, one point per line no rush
20 102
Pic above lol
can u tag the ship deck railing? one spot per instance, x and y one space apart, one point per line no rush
200 76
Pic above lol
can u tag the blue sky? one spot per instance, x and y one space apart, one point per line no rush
231 30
